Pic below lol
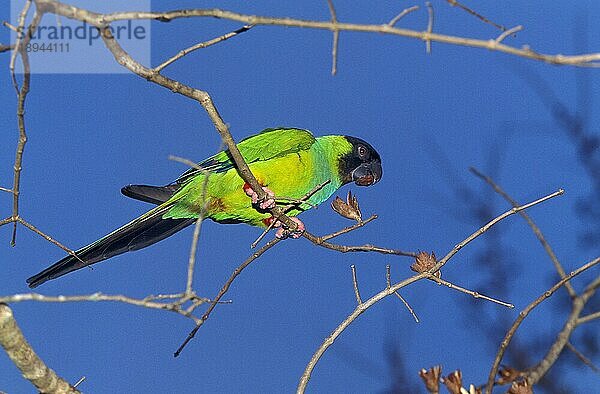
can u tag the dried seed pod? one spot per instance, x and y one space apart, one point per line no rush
431 378
349 208
453 382
424 262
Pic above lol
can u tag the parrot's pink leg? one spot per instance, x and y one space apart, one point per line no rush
284 232
267 203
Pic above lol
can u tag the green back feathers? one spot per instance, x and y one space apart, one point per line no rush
268 144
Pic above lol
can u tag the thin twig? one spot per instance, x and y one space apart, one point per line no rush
224 290
6 48
20 44
402 14
507 33
523 314
3 189
388 281
475 14
588 318
349 228
336 38
583 358
491 223
19 29
45 236
429 25
152 297
189 291
202 45
187 162
536 230
10 26
293 202
81 380
263 234
146 302
39 232
362 248
6 221
355 284
308 195
192 259
472 293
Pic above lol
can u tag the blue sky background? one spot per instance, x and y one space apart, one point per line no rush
430 117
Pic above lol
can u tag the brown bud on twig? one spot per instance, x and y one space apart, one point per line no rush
520 387
453 382
348 209
424 262
508 375
431 378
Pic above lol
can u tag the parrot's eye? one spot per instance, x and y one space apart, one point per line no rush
362 151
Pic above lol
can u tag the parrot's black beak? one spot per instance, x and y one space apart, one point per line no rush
367 174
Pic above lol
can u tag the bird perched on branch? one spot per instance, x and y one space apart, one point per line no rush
288 163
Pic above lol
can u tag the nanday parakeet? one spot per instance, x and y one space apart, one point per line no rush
287 162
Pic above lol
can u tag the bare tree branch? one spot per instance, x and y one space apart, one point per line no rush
525 312
537 372
101 20
320 241
364 306
25 358
336 38
536 230
150 301
22 91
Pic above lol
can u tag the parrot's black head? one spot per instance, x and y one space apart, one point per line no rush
362 165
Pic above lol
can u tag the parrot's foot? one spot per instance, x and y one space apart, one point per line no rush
267 203
283 233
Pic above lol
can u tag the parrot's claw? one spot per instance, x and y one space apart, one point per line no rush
283 233
267 203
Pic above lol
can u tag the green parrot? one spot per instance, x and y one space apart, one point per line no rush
287 163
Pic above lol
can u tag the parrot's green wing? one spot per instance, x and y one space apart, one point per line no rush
268 144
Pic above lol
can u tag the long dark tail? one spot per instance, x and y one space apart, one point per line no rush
137 234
